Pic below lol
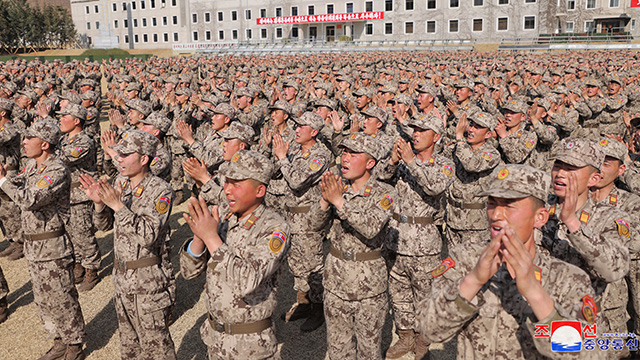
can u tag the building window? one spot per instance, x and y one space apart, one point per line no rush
477 24
408 27
329 8
154 21
220 16
431 27
207 35
221 35
503 2
135 23
96 9
195 36
454 3
294 11
133 6
570 26
453 26
368 29
571 4
145 38
503 24
263 33
529 1
278 12
115 24
408 4
478 2
174 3
126 39
349 8
207 17
247 14
388 5
633 24
368 6
234 34
153 4
234 15
164 21
86 10
165 37
311 10
143 5
294 32
97 25
278 33
194 18
175 36
248 34
144 22
589 26
114 7
529 22
125 23
431 4
388 28
136 39
614 3
124 7
88 25
155 38
591 4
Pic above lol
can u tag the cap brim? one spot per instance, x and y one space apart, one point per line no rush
571 160
505 194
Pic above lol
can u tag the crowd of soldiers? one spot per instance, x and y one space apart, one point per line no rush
477 195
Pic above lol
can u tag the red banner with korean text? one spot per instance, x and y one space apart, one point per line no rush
635 3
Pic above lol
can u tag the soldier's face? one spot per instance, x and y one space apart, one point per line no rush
522 215
613 88
370 125
323 111
362 101
67 123
243 196
218 121
424 100
277 117
355 165
33 147
512 119
134 116
592 90
290 93
344 86
304 134
463 94
131 164
243 102
477 134
423 139
230 147
561 174
611 169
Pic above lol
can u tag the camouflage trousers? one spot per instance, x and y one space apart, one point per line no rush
354 328
263 345
306 263
10 220
633 280
409 283
57 299
143 326
4 287
81 232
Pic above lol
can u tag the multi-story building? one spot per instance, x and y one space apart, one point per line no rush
163 23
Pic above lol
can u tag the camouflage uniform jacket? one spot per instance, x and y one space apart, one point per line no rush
22 118
160 165
209 150
92 125
10 147
566 120
288 136
79 155
631 177
422 185
600 247
250 116
472 170
141 229
607 115
499 323
360 226
242 273
519 147
630 204
42 193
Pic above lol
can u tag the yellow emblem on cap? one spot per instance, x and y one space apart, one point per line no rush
386 201
604 142
235 158
503 174
353 136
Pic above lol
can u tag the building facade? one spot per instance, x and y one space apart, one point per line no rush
163 23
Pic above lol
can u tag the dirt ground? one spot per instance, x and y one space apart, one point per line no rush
23 337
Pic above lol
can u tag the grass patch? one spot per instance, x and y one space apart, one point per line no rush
105 52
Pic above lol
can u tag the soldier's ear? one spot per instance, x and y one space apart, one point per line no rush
541 217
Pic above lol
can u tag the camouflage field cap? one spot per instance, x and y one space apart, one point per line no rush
184 91
426 89
6 104
402 99
90 95
11 86
362 143
579 152
427 122
134 86
71 97
312 119
45 130
136 141
614 149
516 181
172 79
362 92
291 83
483 119
210 98
42 86
225 109
30 94
328 103
593 82
158 121
245 91
376 112
388 88
240 131
247 164
140 105
224 87
324 86
464 83
281 105
516 106
75 110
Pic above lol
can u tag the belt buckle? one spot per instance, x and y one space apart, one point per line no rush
122 264
348 255
404 219
457 204
218 327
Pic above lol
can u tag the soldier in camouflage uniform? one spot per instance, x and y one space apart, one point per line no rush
78 151
295 190
592 236
517 141
475 159
414 242
241 253
138 210
157 125
41 190
492 301
10 156
355 275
